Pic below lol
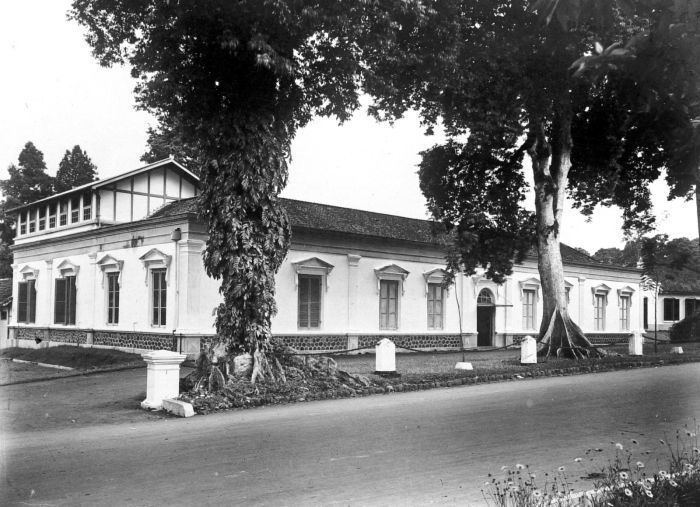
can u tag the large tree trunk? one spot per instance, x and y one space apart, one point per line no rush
551 161
697 200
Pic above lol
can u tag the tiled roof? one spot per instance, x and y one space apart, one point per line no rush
309 215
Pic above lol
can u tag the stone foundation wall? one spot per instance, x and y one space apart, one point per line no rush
76 336
605 338
150 341
417 341
30 333
320 343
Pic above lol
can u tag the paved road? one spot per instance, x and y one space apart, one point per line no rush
414 448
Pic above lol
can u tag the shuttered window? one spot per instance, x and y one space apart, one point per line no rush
624 313
65 300
309 301
113 298
529 309
159 297
435 304
388 304
26 306
599 312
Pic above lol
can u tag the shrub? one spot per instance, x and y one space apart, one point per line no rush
686 330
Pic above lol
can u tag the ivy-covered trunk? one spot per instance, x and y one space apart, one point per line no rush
551 161
248 233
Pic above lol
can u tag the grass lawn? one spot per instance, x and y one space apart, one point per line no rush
80 358
436 366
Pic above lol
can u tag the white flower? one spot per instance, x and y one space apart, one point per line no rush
634 441
536 493
578 460
623 475
673 483
628 492
649 493
519 466
640 464
504 467
650 480
561 468
619 446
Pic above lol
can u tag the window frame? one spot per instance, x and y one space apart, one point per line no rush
75 210
599 311
435 287
63 213
161 310
675 309
112 307
385 325
68 316
529 300
625 306
30 303
305 279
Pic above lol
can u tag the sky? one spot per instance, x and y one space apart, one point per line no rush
53 92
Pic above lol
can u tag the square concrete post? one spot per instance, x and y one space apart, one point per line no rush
385 357
162 377
528 350
636 347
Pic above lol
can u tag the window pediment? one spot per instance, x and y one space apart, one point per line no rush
312 266
67 268
600 290
626 291
391 272
109 264
28 273
531 283
154 259
436 275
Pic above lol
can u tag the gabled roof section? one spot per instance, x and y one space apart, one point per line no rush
107 181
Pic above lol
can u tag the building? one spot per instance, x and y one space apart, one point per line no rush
118 263
678 298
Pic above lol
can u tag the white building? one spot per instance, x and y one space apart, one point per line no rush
118 263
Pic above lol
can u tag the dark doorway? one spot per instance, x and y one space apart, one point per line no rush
485 312
646 313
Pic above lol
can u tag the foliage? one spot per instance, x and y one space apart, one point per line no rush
501 83
234 81
624 481
75 169
27 182
164 142
687 329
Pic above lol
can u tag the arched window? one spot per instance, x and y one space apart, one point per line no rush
485 297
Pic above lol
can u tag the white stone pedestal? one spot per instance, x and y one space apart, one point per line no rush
385 357
162 377
636 344
528 350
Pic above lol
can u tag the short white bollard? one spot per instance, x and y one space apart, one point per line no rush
636 344
463 366
676 350
528 350
385 357
162 377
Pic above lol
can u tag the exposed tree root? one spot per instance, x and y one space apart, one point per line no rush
563 338
266 366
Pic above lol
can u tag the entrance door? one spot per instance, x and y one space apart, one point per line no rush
485 312
484 326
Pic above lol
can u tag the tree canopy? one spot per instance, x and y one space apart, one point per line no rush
505 84
234 81
75 169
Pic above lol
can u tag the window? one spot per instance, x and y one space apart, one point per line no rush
672 309
52 215
691 306
74 209
63 214
159 296
599 303
112 298
388 304
42 218
435 299
529 301
32 220
22 218
26 307
624 313
87 206
64 302
309 301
